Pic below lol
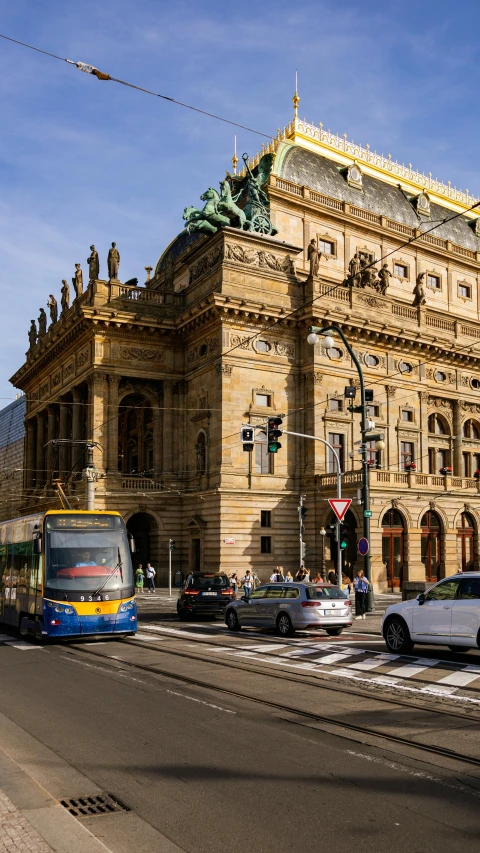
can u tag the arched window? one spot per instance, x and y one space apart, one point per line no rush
135 431
465 543
392 548
263 459
201 451
438 425
431 545
471 429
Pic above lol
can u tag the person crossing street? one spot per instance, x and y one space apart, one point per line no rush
361 592
150 572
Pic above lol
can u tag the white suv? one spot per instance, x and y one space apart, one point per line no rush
447 615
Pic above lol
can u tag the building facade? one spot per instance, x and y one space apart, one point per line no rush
162 376
12 434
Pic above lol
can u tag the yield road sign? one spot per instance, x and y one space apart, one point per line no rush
363 546
340 506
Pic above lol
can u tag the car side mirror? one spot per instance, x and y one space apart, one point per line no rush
421 598
37 545
131 544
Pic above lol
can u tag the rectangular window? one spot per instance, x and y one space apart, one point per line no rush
466 465
265 544
373 455
433 281
400 270
465 291
262 399
326 247
373 411
406 453
263 459
265 518
407 415
336 405
475 462
337 440
437 459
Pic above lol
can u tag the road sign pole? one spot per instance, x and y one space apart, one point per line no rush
300 519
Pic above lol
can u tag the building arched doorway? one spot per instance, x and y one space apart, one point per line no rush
140 526
466 543
393 548
349 554
431 545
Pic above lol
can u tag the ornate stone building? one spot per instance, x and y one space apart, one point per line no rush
12 435
162 376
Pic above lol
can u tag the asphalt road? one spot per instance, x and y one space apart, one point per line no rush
211 772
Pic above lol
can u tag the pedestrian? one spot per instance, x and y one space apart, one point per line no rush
332 577
300 576
289 577
347 584
274 577
150 578
234 581
361 591
316 578
307 575
139 579
247 581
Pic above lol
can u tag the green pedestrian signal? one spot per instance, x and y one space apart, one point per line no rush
343 536
274 434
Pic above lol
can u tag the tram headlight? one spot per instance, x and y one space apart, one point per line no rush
69 610
124 607
59 609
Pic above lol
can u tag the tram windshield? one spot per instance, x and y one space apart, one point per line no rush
80 557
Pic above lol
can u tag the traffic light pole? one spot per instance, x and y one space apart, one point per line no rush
339 495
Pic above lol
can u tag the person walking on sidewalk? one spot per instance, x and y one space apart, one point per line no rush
361 591
150 578
247 582
139 579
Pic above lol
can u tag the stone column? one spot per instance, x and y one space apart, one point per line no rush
63 448
157 438
30 453
167 426
97 417
50 450
457 439
112 425
77 432
40 451
423 460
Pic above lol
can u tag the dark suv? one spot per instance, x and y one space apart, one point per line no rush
204 592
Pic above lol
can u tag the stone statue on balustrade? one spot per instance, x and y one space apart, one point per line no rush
65 302
42 324
93 264
419 294
313 258
52 305
353 278
32 334
77 281
383 281
113 262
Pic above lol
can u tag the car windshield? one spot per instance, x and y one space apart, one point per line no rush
324 592
87 560
210 581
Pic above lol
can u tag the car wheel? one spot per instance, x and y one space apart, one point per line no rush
397 636
232 621
459 648
334 632
284 625
182 615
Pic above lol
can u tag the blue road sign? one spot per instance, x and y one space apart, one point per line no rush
363 546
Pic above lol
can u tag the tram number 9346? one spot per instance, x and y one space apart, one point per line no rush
94 598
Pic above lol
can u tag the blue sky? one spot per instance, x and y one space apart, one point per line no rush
83 161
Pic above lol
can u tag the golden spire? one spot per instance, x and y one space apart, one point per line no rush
235 158
296 99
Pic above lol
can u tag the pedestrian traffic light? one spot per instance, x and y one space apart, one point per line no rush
274 433
247 437
369 395
171 544
343 539
305 550
349 392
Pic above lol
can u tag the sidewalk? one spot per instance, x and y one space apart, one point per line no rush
16 833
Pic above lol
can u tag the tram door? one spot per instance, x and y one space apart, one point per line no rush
9 614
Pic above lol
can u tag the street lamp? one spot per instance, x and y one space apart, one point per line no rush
313 338
323 567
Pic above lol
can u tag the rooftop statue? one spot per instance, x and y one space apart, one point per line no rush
65 296
419 291
32 334
52 304
77 281
252 213
93 264
383 281
42 324
313 257
113 262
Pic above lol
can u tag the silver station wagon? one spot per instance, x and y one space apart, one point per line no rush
288 607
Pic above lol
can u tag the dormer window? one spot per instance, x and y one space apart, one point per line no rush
422 203
353 175
475 225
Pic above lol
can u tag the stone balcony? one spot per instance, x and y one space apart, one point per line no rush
396 481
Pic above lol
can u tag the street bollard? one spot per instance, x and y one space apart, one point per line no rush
370 599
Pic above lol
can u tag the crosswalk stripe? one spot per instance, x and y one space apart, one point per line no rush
370 663
411 669
459 679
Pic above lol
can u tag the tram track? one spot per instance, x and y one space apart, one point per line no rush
284 708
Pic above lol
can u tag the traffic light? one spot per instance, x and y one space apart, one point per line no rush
171 544
343 536
247 437
349 392
305 550
369 395
274 434
303 511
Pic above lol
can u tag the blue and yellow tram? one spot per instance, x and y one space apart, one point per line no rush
66 573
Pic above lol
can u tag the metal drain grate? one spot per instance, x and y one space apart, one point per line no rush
96 805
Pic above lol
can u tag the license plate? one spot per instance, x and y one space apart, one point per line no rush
209 593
